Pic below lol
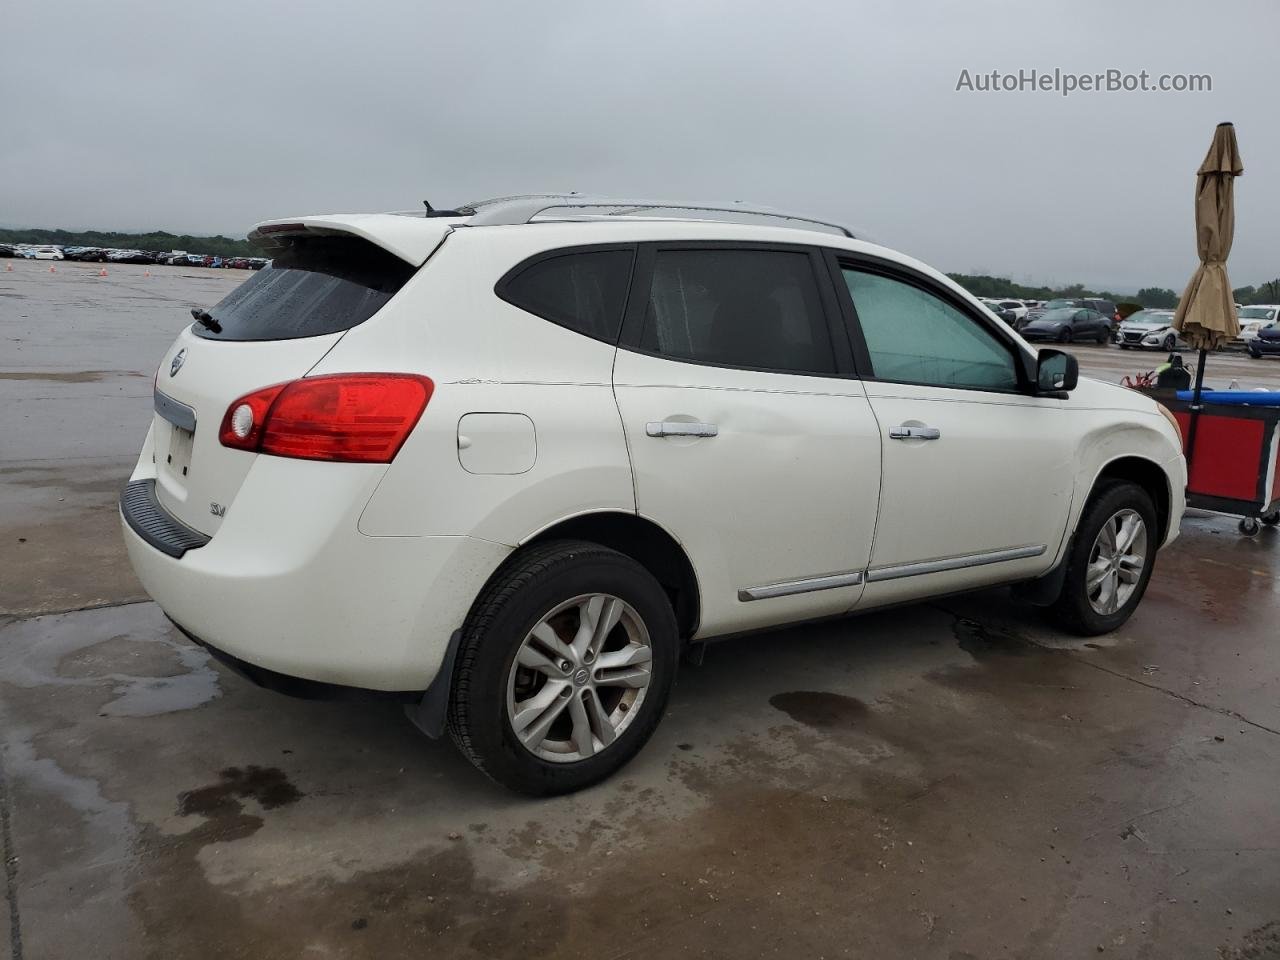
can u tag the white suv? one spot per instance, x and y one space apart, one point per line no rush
506 462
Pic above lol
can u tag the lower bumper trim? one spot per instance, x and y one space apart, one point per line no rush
297 687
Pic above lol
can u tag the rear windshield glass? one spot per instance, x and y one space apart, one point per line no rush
314 286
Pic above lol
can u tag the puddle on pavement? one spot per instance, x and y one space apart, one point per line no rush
79 376
269 786
820 708
982 640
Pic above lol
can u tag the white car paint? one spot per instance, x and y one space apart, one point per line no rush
46 253
1256 316
357 573
1017 306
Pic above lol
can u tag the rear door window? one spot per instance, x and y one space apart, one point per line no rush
754 309
314 286
584 290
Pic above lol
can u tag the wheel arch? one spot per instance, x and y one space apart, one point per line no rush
1148 475
645 542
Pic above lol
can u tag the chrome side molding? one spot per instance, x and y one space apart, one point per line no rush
807 585
877 574
899 570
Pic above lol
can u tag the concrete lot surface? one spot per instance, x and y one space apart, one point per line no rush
950 780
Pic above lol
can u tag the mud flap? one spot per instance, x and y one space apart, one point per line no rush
430 714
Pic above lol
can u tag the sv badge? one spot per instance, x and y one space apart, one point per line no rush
217 509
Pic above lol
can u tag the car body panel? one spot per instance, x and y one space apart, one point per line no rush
357 573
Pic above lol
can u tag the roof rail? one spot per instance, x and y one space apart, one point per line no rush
506 211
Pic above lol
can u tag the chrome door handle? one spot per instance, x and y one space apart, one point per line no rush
914 433
675 428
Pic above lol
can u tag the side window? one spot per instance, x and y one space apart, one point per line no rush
584 291
915 337
758 309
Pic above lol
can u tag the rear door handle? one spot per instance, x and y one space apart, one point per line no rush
676 428
914 433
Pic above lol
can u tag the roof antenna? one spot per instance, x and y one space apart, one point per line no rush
430 209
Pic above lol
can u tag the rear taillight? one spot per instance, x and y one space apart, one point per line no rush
348 417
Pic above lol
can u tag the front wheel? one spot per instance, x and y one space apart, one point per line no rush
565 665
1110 561
1170 342
1064 336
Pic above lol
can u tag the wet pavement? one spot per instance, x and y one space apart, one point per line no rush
949 780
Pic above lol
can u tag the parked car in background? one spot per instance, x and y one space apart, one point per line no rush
1003 313
1105 307
519 513
1069 325
1059 303
1266 342
46 253
1016 307
1151 329
86 254
6 250
130 256
1255 317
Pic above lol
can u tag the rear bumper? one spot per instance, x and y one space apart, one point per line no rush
288 585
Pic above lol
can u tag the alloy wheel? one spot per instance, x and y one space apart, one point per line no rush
579 678
1115 563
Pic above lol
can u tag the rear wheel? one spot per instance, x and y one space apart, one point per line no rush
564 668
1103 336
1064 336
1110 561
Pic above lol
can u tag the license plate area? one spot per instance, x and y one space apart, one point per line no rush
176 459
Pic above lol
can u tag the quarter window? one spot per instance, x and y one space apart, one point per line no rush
583 291
756 309
914 336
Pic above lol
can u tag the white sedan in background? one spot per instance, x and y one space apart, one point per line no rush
1151 329
46 253
1254 318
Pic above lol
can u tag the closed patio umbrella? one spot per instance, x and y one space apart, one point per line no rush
1206 314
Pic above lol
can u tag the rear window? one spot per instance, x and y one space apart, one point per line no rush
314 286
585 290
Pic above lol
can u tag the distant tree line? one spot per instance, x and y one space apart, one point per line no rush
156 240
985 286
979 286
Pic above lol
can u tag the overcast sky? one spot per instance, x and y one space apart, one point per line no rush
207 117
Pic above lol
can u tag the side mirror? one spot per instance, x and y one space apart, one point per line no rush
1056 371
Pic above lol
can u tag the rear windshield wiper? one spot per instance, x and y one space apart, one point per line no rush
205 318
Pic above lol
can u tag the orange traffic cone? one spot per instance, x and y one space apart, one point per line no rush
146 273
102 272
53 269
8 268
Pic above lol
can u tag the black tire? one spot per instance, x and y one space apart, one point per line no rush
1103 337
529 585
1170 343
1254 354
1064 336
1072 610
1271 519
1124 346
